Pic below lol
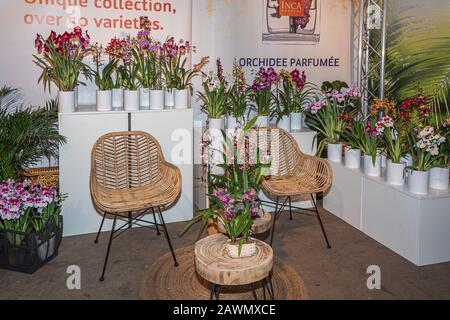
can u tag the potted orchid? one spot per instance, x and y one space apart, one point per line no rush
129 74
263 95
370 147
439 173
233 196
103 76
178 76
354 136
238 98
214 98
425 149
60 56
115 50
30 225
329 123
141 56
294 94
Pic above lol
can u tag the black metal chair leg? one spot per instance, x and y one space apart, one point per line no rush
130 220
100 229
290 209
102 278
156 222
255 296
274 222
320 222
270 288
167 236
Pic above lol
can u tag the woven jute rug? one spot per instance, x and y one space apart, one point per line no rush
165 282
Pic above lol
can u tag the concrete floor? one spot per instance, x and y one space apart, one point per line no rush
339 273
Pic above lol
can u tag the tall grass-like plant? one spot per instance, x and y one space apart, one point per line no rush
103 74
238 93
61 59
214 98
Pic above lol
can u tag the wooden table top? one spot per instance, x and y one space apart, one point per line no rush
213 263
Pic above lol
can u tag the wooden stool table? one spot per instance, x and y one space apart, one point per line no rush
213 264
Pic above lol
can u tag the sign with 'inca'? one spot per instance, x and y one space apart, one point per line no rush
292 8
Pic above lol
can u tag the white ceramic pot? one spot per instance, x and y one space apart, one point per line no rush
395 173
262 122
131 100
418 182
156 99
66 101
285 123
248 249
216 124
296 121
335 152
370 169
144 98
232 123
169 98
182 99
439 178
117 98
352 158
104 100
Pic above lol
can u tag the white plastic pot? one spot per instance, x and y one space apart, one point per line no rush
395 173
131 100
418 182
285 123
352 158
104 100
169 98
335 152
144 98
216 124
117 98
370 169
296 121
156 99
66 101
262 122
181 99
248 249
439 178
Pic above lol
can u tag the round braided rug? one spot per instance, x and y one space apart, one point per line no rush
165 282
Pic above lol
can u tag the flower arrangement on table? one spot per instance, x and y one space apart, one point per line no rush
263 96
60 56
30 219
234 195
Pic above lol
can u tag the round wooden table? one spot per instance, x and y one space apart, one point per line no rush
213 264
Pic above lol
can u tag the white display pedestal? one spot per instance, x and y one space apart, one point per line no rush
415 227
304 138
172 128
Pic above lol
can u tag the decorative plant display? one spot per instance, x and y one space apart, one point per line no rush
115 50
263 95
27 134
354 137
214 98
30 220
234 195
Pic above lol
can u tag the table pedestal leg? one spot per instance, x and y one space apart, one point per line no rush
215 291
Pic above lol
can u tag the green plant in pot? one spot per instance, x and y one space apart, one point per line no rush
238 98
234 196
27 134
262 94
370 147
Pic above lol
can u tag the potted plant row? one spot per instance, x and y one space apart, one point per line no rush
130 73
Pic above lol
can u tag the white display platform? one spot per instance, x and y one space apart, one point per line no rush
414 226
304 138
172 128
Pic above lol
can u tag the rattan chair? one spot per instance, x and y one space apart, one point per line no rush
130 179
293 174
